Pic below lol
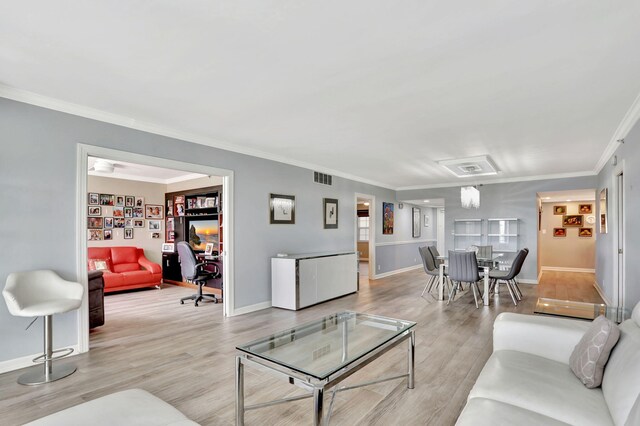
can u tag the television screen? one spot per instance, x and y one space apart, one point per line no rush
202 232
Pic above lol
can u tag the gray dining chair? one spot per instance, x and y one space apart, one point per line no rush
509 277
484 252
463 268
430 268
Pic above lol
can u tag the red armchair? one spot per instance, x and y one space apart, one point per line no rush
127 268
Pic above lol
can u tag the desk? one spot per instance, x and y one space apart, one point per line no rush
485 294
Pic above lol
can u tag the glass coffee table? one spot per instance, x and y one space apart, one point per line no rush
579 310
316 356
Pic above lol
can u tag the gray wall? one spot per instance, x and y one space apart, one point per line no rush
38 227
629 152
517 199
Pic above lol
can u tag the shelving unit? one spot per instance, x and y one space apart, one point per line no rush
502 234
466 232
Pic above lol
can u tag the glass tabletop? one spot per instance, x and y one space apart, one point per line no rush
322 347
580 310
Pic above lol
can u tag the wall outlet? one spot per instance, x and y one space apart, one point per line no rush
378 267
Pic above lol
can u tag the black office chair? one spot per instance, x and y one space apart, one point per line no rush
195 272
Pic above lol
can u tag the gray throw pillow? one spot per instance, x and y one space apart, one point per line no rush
592 352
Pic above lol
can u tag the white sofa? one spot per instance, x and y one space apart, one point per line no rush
130 407
527 379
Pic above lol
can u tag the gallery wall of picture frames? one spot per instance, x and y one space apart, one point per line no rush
580 221
106 212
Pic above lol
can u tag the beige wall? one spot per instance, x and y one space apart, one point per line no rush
194 183
153 193
571 251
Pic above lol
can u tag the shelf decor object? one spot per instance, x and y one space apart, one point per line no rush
282 209
469 197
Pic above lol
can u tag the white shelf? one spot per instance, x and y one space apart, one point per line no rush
467 220
508 218
502 235
467 235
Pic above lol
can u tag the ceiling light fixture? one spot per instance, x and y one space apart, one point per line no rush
425 201
366 204
470 166
103 166
470 197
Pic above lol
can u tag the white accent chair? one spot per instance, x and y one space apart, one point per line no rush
43 294
527 379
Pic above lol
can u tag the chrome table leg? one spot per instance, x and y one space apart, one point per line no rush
239 392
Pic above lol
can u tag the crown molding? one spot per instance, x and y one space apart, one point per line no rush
31 98
630 119
503 180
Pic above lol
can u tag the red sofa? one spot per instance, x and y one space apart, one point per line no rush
127 268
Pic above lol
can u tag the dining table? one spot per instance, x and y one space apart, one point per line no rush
493 261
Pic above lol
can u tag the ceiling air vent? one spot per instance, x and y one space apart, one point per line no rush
472 166
322 178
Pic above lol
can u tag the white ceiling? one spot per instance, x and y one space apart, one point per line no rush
144 173
431 202
568 196
392 87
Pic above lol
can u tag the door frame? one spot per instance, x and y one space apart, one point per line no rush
618 218
82 169
372 230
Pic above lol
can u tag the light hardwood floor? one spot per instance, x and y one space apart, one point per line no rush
185 355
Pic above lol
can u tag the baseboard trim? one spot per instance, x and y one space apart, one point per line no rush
601 293
27 361
561 269
526 281
394 272
251 308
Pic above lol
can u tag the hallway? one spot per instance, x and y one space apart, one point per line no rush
574 286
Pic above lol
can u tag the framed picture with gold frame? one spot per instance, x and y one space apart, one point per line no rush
559 210
585 232
572 220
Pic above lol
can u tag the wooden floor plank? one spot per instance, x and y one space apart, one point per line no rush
185 355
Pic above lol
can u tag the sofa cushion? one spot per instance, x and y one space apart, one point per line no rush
112 280
541 385
136 277
121 255
124 267
592 352
131 407
100 264
487 412
621 381
98 252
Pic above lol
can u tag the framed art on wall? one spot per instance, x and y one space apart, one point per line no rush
107 200
559 210
559 232
95 211
108 234
129 201
585 232
120 200
168 247
94 223
139 202
330 213
154 225
153 211
387 218
94 199
128 212
572 220
94 234
282 209
128 233
585 208
426 221
415 212
108 223
138 223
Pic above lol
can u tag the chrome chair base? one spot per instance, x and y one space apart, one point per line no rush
37 375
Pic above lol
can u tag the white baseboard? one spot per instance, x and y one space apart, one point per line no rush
397 271
601 293
528 281
562 269
27 361
251 308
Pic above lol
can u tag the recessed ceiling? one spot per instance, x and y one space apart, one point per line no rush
141 172
565 196
432 202
393 87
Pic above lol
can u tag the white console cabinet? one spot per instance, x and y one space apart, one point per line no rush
302 280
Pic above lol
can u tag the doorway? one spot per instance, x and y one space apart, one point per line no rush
365 234
226 254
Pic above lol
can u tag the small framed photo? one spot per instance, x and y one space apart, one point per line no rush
95 235
108 223
108 234
128 212
129 201
585 208
179 207
118 222
572 220
95 223
171 236
128 233
139 202
118 212
168 247
426 221
94 199
107 200
282 209
559 210
585 232
560 232
208 249
120 200
330 213
169 208
154 225
94 211
128 223
138 212
155 235
138 223
153 211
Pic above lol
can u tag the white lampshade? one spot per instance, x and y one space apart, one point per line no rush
470 197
